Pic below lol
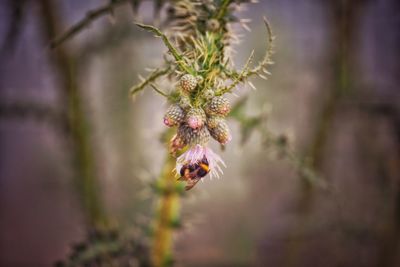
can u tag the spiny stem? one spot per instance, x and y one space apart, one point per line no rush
222 9
151 78
155 88
178 57
167 214
267 58
299 164
246 72
239 77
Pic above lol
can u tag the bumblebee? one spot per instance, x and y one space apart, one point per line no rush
193 172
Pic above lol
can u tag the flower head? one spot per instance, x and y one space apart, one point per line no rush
196 154
195 118
219 106
188 83
174 116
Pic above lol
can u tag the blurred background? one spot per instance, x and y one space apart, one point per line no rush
77 151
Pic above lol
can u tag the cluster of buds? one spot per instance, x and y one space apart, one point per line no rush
197 124
199 41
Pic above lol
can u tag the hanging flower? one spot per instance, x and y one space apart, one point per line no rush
196 163
204 75
196 154
199 160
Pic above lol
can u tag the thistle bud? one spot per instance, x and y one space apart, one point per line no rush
213 121
193 136
195 118
184 102
188 83
174 116
212 25
221 131
218 105
199 79
208 94
177 143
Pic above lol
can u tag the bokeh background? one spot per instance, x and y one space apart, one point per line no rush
334 92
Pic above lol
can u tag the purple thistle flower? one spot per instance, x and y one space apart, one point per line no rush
196 154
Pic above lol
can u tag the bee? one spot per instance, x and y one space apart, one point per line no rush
193 172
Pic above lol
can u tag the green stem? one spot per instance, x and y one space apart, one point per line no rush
269 51
222 9
178 57
85 22
86 180
239 77
151 78
167 218
155 88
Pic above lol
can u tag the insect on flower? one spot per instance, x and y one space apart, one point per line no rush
192 173
196 163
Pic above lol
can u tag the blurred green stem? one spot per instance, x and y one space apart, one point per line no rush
344 18
343 22
65 66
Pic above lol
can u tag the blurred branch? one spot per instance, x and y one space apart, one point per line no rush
108 248
301 165
18 11
345 16
250 124
83 155
35 111
85 22
342 31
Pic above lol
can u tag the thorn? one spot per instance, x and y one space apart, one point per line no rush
246 27
266 72
262 76
252 85
245 20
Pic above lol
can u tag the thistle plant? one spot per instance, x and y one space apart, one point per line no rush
198 60
198 37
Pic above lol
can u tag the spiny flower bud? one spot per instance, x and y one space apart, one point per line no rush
188 83
177 143
193 136
221 132
174 116
199 79
208 94
212 25
213 121
184 102
195 118
218 105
